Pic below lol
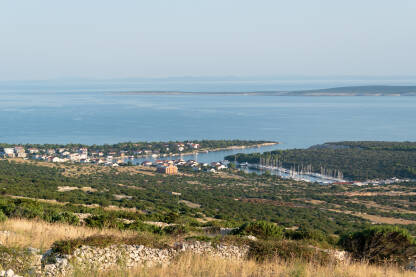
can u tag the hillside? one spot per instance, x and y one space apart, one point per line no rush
112 221
35 248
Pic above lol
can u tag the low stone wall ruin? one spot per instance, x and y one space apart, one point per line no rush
129 256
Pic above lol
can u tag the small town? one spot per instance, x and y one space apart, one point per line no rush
82 155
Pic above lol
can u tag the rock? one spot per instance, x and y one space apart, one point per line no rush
251 237
411 266
2 273
133 256
9 273
33 251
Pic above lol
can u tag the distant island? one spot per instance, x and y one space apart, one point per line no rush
360 91
337 91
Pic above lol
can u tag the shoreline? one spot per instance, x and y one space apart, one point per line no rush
216 149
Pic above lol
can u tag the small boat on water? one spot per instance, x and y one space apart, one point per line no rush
245 164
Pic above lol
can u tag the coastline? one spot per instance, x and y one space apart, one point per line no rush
216 149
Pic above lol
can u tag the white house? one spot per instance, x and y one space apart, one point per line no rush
9 151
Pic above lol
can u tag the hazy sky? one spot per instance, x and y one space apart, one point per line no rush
48 39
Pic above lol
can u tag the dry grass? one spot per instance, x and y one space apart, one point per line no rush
207 266
39 234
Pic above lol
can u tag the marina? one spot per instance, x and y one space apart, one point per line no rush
290 173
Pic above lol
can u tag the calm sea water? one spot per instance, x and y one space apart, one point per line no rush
103 117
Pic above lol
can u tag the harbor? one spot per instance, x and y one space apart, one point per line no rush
290 173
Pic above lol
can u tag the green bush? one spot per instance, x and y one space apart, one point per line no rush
104 221
176 230
28 209
143 227
308 234
380 244
287 250
3 217
261 229
53 215
171 217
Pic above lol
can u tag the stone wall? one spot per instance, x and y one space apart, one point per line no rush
129 256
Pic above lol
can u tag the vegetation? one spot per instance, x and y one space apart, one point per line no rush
228 198
356 160
380 244
291 220
267 257
131 148
261 229
231 198
69 246
266 250
14 257
196 265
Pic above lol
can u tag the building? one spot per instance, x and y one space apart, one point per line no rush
9 151
33 150
21 155
74 157
58 160
19 149
170 169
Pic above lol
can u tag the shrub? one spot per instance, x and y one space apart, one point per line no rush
17 259
171 217
260 229
143 227
53 215
7 207
310 235
104 221
380 244
176 230
287 250
3 217
27 209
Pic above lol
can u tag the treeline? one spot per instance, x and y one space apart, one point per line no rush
356 160
376 145
130 147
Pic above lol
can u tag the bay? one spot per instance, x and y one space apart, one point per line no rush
296 122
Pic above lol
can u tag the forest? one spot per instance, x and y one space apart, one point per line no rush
358 161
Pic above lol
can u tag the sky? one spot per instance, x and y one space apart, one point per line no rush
49 39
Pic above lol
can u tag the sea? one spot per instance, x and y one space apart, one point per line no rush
36 112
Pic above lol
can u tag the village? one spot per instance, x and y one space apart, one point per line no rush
82 155
148 158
